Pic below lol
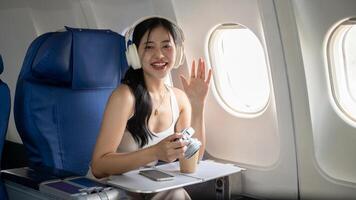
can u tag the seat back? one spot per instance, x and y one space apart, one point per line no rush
5 104
61 93
4 108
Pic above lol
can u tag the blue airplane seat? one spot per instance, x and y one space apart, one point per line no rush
5 105
61 93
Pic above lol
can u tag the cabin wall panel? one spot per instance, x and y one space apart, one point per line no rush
325 143
264 144
16 33
333 137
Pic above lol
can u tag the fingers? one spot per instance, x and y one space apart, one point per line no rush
175 148
200 72
179 153
173 154
178 144
192 72
178 149
173 137
201 69
197 72
174 141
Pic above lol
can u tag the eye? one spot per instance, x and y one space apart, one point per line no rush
148 47
167 46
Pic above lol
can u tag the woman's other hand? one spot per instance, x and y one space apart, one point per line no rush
171 148
197 86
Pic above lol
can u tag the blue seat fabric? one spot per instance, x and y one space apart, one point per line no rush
5 105
4 109
61 93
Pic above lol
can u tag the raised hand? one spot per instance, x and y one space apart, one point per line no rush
197 86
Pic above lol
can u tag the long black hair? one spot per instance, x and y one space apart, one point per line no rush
138 123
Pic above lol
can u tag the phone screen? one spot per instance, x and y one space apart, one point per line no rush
156 175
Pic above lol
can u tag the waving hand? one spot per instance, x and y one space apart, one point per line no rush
196 87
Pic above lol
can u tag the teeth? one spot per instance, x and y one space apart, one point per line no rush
159 64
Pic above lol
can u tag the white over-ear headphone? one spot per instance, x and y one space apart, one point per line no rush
132 56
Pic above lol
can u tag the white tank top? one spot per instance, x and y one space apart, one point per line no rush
128 143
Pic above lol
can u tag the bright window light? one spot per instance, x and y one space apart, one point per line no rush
341 52
240 69
350 61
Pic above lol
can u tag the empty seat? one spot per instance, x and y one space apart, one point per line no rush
61 93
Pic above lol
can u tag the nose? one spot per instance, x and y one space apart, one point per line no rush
158 53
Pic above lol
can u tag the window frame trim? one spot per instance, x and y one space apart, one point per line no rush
331 39
216 86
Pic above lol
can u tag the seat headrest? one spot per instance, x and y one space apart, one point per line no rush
52 62
1 65
80 59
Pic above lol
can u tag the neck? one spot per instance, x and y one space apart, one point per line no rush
157 91
155 86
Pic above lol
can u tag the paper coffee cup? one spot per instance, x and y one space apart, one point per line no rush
189 165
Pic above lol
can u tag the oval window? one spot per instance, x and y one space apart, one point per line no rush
241 75
341 50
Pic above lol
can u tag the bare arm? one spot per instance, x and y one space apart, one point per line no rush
106 161
196 90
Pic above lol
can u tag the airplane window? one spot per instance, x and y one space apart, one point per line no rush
241 77
342 65
350 59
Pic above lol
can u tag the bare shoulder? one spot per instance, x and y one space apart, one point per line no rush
181 97
179 93
123 94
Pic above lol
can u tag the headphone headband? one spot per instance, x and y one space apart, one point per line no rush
132 56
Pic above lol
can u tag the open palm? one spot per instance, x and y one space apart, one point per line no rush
197 86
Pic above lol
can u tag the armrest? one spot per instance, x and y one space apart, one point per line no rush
34 175
49 183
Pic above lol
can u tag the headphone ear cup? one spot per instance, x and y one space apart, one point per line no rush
179 56
132 57
127 53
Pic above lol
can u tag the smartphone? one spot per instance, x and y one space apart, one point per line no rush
156 175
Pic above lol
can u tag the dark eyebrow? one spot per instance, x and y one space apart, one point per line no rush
166 41
148 42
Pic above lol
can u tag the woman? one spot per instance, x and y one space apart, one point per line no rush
143 116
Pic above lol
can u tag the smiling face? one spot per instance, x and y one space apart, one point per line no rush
157 52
